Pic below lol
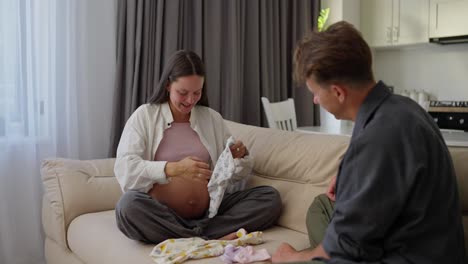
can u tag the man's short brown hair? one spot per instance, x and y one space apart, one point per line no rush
338 54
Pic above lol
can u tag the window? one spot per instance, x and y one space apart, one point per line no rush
23 70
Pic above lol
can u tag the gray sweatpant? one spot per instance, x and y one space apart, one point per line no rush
140 217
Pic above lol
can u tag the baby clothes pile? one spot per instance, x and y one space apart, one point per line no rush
172 251
233 254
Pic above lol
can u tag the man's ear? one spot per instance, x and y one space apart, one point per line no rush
340 92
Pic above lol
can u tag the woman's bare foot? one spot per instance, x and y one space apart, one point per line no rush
230 236
286 253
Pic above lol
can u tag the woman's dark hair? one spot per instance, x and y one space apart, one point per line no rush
182 63
338 54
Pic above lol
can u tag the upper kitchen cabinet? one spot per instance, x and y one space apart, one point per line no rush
390 23
448 22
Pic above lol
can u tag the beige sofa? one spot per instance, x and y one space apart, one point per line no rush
79 196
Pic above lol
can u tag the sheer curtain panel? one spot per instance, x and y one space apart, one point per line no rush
43 74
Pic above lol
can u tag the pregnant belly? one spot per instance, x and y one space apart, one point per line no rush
189 199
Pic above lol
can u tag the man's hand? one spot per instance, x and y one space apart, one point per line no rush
190 168
331 190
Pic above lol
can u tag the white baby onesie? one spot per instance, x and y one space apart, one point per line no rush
223 176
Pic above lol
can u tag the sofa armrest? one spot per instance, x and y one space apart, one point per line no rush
73 188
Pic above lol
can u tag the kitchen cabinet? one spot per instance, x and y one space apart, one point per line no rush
448 18
389 23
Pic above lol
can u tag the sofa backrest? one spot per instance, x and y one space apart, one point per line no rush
300 166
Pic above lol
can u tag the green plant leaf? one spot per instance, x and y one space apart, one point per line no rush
322 19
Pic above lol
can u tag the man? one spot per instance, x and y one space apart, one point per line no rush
396 192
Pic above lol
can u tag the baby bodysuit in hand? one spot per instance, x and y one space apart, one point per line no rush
220 178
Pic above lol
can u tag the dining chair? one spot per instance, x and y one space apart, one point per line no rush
280 115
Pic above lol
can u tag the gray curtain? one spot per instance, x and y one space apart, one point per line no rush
246 45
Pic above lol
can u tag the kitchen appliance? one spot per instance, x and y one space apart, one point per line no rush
450 114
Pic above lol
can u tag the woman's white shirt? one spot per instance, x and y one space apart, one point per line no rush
135 168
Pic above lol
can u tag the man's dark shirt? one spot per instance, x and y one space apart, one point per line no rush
396 191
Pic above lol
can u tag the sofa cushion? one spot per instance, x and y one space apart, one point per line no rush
95 238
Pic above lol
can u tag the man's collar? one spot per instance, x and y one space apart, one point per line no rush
373 100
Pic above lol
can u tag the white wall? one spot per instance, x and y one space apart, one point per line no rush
441 70
348 10
96 98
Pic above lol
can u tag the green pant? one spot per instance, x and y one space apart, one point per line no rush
318 217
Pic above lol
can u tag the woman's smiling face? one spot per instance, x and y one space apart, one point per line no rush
185 92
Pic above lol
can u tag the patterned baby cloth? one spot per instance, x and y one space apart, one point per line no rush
173 251
221 177
241 254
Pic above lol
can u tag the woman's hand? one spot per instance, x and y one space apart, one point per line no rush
190 168
331 190
238 150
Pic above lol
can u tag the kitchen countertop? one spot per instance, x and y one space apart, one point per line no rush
453 138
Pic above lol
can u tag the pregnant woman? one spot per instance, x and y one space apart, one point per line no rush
165 159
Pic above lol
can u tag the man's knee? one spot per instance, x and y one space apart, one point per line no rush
320 205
